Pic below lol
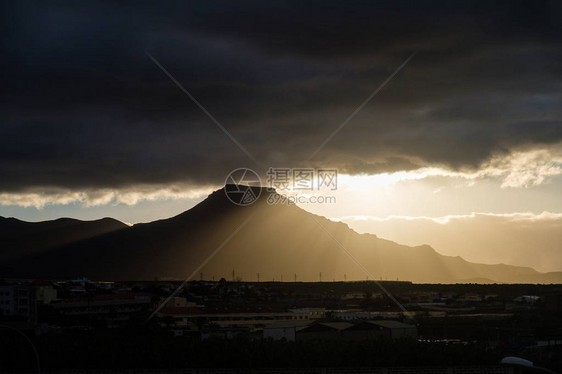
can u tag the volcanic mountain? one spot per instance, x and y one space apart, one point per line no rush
217 239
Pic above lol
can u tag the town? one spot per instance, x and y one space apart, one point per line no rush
487 320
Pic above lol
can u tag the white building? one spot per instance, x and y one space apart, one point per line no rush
313 313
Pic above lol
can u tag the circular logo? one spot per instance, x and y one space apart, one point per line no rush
242 186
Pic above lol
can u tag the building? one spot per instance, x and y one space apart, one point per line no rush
254 318
110 310
323 331
18 302
527 299
384 328
227 333
175 302
285 330
313 313
360 315
364 330
45 293
470 298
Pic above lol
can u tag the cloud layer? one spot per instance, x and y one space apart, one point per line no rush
86 112
39 198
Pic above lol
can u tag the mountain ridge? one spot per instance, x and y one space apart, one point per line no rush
19 237
277 240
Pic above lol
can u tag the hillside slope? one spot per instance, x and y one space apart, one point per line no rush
274 240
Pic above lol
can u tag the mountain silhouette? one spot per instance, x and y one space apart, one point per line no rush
18 238
278 241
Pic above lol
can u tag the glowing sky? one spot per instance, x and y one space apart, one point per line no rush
460 150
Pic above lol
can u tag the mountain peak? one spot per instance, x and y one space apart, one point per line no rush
270 239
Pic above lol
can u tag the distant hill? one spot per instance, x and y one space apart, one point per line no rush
277 241
19 238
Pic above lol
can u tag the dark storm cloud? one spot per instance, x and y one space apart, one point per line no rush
84 107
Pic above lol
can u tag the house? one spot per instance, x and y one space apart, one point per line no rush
396 330
322 331
356 331
377 329
363 331
285 330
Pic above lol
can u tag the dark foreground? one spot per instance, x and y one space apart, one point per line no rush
394 370
82 326
134 349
